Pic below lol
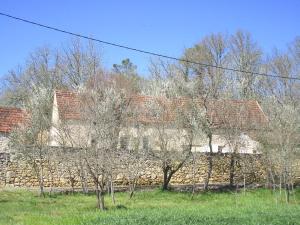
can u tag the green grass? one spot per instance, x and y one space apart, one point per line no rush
149 207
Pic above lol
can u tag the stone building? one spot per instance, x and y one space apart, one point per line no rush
66 117
9 119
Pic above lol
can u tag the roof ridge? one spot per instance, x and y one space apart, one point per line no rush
11 107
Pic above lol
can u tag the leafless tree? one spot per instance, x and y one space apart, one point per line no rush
211 50
234 125
281 103
172 120
134 146
31 140
79 63
209 82
105 109
281 143
245 55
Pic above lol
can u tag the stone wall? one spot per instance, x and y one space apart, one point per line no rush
19 174
249 165
4 167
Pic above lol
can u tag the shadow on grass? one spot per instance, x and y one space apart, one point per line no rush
123 207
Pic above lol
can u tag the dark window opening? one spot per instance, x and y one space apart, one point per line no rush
93 142
146 143
220 148
124 142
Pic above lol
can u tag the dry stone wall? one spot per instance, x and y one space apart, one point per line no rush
4 167
17 173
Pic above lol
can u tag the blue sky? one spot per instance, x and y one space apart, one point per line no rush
161 26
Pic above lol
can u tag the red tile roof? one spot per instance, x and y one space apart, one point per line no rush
233 113
219 112
10 118
68 104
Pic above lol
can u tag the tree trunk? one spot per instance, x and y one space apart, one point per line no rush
132 188
165 181
38 170
100 198
84 185
210 163
42 190
167 177
193 174
287 185
72 182
83 180
280 184
273 184
232 169
287 191
41 182
52 180
112 191
131 193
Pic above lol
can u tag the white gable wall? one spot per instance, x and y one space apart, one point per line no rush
4 143
247 145
54 133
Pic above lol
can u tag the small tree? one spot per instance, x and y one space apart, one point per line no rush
206 83
281 145
245 55
134 157
234 122
105 110
31 140
172 122
281 137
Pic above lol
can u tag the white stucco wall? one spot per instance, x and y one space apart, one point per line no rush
79 137
245 143
200 143
53 133
4 143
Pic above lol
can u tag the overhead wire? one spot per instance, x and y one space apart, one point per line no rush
142 50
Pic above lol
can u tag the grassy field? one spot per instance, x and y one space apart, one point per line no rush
149 207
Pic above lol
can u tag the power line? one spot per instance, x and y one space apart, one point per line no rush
141 50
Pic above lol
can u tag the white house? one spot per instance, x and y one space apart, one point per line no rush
69 129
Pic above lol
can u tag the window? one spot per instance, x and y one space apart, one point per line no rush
93 142
146 143
220 148
124 141
187 148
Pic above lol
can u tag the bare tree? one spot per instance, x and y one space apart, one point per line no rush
245 55
104 110
281 103
134 146
212 50
209 82
31 140
172 119
281 143
80 63
235 122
